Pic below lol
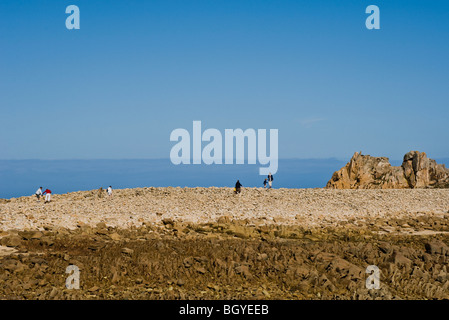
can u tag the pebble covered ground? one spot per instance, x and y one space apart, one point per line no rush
309 207
207 243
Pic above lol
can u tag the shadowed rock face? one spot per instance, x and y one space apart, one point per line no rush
366 172
229 259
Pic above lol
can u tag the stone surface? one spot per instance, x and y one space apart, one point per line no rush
207 243
437 247
6 251
218 207
210 263
11 241
127 251
367 172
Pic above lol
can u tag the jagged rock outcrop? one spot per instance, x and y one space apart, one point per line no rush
367 172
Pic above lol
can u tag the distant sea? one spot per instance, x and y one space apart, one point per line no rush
23 177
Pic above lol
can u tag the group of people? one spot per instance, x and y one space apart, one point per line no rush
237 189
268 180
47 193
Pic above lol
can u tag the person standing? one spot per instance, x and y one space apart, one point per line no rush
265 183
238 185
47 194
39 193
270 180
110 191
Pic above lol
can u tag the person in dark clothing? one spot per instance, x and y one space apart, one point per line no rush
238 185
265 183
270 180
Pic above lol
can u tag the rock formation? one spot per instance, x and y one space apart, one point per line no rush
367 172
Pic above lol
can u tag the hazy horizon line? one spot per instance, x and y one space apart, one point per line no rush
113 159
168 159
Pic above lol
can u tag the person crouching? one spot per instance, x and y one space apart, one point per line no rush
47 194
39 193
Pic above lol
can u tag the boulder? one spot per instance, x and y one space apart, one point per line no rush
437 247
6 251
11 241
127 251
398 258
29 235
101 225
100 193
115 236
367 172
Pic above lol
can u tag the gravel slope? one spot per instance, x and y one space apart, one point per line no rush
307 207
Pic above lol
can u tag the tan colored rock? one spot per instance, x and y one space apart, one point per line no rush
127 251
11 241
437 247
29 235
6 251
422 172
224 220
100 193
115 236
367 172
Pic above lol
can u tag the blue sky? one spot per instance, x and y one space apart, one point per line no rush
136 70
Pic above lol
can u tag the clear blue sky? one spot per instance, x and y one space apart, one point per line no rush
136 70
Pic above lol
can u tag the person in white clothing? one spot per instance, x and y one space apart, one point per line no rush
110 191
39 193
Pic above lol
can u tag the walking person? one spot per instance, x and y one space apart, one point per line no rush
109 191
39 193
265 183
47 194
238 185
270 180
